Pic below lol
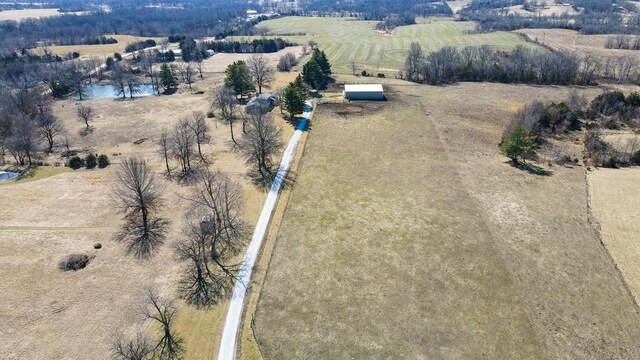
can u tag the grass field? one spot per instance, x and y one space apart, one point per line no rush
57 212
101 51
19 15
408 236
346 40
614 202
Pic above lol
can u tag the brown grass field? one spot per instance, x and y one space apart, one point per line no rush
101 51
19 15
48 314
408 236
614 202
572 40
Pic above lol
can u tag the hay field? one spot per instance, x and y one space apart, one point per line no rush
408 236
101 51
614 202
572 40
19 15
48 314
346 40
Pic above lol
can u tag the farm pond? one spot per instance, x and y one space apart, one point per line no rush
96 91
5 175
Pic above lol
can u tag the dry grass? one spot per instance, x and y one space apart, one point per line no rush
614 202
19 15
583 44
408 236
101 51
46 218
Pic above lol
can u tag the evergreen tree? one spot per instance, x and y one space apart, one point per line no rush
293 99
312 74
322 61
168 78
519 144
237 78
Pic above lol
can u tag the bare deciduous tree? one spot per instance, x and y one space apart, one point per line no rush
413 63
183 140
213 232
23 142
85 114
118 79
198 124
261 72
223 99
136 348
261 143
163 312
140 197
49 128
165 144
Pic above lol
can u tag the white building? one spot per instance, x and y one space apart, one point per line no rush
363 92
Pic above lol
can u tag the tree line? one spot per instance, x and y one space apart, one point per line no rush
520 65
253 46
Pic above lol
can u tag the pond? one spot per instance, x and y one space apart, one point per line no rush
4 175
96 91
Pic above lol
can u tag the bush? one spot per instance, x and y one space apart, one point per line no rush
608 103
74 262
612 163
103 161
364 73
97 246
381 75
117 56
635 158
75 163
90 161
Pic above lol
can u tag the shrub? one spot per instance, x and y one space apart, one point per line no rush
381 75
608 103
364 73
117 56
103 161
97 246
612 163
75 163
90 161
635 158
74 262
633 99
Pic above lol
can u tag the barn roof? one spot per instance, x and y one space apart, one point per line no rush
363 88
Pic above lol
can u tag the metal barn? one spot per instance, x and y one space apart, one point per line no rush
363 92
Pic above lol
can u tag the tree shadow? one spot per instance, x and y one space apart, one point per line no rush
295 121
86 131
530 168
265 182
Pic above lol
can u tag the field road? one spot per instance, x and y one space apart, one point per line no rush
232 322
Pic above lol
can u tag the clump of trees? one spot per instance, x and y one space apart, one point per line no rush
140 45
316 71
184 144
392 21
520 65
287 62
623 42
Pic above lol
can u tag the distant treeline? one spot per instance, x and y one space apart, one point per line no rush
195 18
140 45
375 9
254 46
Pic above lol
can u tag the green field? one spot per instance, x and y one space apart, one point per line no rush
345 40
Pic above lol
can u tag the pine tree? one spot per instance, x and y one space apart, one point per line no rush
293 99
168 78
237 78
312 74
519 144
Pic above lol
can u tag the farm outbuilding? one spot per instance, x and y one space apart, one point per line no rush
363 92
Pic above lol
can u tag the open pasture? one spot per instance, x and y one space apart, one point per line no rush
51 314
408 236
347 40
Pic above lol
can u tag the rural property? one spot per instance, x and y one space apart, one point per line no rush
319 180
